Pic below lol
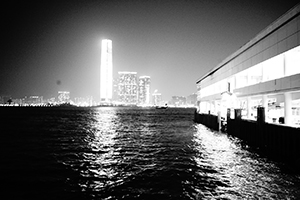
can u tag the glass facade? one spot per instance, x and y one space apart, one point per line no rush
285 64
128 87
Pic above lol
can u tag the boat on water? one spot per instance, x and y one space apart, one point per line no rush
162 107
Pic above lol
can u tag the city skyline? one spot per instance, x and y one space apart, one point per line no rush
55 46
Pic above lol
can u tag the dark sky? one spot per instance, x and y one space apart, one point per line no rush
55 45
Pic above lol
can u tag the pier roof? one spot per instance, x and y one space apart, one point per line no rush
281 21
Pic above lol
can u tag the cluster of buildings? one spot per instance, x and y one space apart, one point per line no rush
63 97
131 89
265 72
127 89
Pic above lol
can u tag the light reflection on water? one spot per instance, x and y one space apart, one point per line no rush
136 153
246 174
101 141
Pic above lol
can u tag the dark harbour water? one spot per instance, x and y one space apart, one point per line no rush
131 153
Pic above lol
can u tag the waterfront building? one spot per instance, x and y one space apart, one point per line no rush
144 90
106 71
156 98
63 96
32 100
265 72
127 88
83 101
178 101
5 99
51 100
191 100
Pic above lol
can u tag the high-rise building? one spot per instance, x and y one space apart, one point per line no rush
144 90
63 97
127 87
156 98
106 71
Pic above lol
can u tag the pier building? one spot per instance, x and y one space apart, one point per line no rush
265 72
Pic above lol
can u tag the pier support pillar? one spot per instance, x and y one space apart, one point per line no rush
228 114
261 115
288 108
238 113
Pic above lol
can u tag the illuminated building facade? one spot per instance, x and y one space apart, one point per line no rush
144 90
32 100
265 72
106 71
128 88
63 97
83 101
178 100
156 98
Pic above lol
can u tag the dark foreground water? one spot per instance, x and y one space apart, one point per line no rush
131 153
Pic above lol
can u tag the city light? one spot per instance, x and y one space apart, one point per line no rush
106 71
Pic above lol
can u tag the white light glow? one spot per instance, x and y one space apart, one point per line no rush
106 71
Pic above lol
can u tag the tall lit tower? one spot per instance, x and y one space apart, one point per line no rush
106 75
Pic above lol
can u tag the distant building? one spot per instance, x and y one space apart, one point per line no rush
191 100
178 100
32 100
50 100
144 90
156 98
5 99
83 101
127 87
17 101
106 71
115 90
63 97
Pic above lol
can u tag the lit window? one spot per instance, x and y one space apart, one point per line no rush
292 61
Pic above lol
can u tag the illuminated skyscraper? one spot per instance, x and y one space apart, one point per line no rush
127 87
144 90
106 75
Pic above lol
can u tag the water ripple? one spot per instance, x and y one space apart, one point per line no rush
122 153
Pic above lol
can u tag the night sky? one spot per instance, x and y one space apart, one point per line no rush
48 46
